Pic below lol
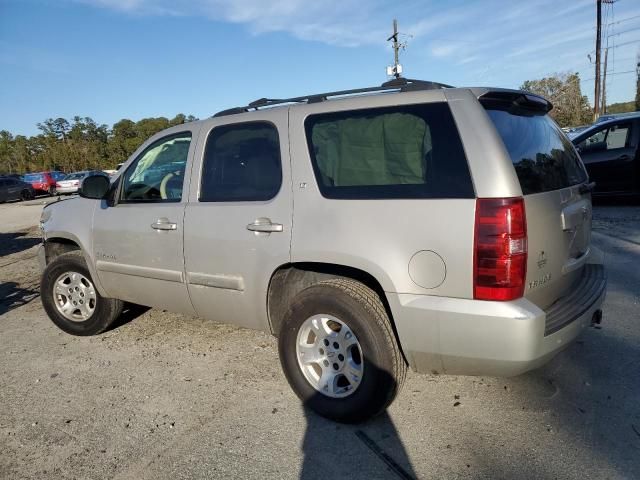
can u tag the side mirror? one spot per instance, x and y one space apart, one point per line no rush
95 187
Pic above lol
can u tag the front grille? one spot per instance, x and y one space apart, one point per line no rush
580 298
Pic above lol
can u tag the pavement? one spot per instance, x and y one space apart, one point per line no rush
168 396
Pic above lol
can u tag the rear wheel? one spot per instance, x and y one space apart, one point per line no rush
338 351
25 195
72 301
52 191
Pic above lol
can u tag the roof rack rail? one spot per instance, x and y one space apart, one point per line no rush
399 84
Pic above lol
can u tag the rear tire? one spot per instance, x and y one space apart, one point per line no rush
61 306
349 305
25 195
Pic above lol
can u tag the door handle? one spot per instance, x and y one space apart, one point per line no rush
164 224
264 225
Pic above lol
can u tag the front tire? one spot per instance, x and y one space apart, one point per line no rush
338 351
71 300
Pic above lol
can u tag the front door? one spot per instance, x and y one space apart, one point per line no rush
138 243
238 220
609 157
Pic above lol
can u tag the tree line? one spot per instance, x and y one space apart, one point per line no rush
82 144
78 144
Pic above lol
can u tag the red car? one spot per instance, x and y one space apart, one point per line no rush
44 182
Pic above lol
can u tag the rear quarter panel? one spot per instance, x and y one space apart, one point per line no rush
378 236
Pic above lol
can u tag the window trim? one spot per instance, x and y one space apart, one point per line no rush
118 194
204 157
364 192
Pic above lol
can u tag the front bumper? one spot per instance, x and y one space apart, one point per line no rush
473 337
63 190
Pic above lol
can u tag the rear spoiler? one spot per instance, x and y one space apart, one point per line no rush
516 102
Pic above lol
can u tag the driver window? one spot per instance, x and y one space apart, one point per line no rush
157 175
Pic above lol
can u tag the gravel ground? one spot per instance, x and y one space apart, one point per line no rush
168 396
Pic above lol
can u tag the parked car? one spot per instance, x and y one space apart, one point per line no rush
70 183
12 188
609 150
574 131
44 182
369 232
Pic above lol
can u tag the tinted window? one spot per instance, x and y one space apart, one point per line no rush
411 151
157 175
58 175
542 155
241 163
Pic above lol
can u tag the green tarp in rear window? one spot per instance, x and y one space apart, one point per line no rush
385 149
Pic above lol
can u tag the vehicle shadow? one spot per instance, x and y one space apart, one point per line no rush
368 450
13 296
15 242
129 313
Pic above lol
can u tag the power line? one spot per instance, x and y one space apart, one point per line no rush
625 20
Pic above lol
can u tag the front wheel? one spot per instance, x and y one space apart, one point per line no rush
72 301
338 351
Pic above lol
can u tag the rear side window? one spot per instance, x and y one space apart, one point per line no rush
241 163
543 157
410 151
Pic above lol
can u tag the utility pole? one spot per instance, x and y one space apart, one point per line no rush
596 94
396 69
603 109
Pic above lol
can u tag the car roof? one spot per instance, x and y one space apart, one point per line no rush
597 126
400 86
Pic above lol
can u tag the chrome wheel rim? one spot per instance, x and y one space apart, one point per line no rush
330 356
74 296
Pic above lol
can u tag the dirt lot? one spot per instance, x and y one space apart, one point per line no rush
168 396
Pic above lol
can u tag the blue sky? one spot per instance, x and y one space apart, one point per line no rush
113 59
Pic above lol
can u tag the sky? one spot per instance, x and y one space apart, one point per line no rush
114 59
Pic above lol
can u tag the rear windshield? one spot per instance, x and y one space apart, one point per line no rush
542 155
409 151
33 177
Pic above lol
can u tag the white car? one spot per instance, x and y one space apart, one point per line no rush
71 183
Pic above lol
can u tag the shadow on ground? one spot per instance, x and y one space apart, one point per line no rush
129 313
15 242
13 296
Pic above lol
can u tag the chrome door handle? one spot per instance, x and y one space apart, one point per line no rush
164 224
264 225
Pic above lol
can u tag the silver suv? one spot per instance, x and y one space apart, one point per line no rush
445 229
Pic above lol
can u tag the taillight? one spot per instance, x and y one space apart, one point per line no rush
500 249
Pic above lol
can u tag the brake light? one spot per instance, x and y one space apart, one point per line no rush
500 249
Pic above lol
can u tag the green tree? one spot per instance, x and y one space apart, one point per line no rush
570 107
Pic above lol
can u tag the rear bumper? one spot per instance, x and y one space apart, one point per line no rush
472 337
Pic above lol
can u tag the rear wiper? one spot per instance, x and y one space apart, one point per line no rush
587 187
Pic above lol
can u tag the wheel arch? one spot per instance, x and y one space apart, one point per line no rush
291 278
58 243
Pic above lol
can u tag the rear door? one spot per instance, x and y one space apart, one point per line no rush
609 156
239 217
558 210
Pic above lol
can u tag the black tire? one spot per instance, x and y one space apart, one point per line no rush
107 310
25 195
361 310
52 191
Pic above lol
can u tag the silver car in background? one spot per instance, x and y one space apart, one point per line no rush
409 225
71 183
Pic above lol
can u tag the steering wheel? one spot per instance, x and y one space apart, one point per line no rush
163 185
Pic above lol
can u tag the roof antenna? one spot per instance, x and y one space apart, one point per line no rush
396 69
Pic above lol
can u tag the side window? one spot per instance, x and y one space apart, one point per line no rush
410 151
618 137
241 163
157 175
611 138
